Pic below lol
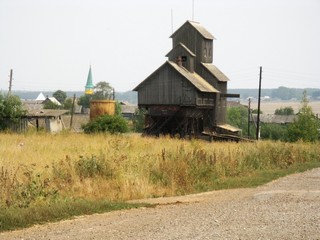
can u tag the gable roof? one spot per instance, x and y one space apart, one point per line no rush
182 46
196 80
41 97
215 72
204 32
53 100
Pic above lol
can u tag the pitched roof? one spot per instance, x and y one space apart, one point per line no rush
53 100
204 32
196 80
40 97
184 47
215 72
46 112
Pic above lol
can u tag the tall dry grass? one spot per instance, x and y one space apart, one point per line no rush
35 167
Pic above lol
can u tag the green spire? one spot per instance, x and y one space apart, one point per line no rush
89 85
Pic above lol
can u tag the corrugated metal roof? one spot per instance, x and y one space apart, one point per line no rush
195 79
215 72
46 113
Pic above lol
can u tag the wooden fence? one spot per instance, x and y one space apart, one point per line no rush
18 126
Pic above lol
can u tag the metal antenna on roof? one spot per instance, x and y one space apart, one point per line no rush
171 20
192 10
10 81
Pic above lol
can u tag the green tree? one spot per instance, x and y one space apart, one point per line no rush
306 127
273 131
11 108
103 90
107 123
118 110
238 117
84 101
138 121
284 93
284 111
68 104
60 95
255 111
51 105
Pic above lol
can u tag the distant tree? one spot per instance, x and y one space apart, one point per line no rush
10 108
51 105
138 122
84 101
255 111
306 127
284 111
68 104
60 95
118 110
284 93
316 94
238 117
273 131
103 90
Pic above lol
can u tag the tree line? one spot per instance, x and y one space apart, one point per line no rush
306 127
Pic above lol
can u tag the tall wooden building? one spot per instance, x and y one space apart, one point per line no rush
187 94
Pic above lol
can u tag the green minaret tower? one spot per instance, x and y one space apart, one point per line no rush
89 85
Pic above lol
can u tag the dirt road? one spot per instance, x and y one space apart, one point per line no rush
288 208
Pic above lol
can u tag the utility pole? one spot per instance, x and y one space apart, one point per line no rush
10 82
72 110
259 99
249 112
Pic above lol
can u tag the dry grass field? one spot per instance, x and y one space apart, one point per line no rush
269 107
130 166
45 176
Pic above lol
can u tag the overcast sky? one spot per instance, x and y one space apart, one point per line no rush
50 44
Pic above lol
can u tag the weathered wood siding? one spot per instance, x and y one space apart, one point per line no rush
166 87
206 99
221 109
206 51
201 47
204 73
179 51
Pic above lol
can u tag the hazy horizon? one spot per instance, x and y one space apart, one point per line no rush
50 45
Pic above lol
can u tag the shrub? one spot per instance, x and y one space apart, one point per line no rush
88 167
106 123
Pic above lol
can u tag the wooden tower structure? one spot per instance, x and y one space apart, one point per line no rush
187 94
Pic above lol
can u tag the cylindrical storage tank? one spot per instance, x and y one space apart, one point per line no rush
101 107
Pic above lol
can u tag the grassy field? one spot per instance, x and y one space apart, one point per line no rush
40 172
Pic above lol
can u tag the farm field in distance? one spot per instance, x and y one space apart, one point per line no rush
269 107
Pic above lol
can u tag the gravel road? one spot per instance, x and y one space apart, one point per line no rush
288 208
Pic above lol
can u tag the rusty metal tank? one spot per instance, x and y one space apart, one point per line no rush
102 107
